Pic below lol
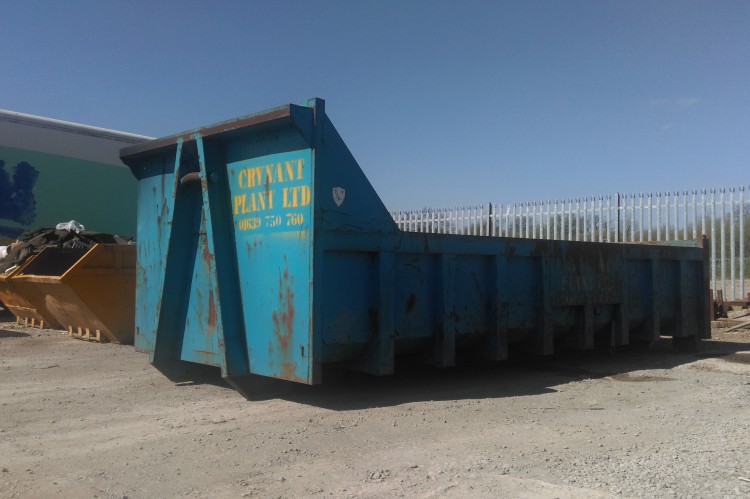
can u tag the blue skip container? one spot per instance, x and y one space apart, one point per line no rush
264 250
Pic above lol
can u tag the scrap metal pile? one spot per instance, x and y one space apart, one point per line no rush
34 241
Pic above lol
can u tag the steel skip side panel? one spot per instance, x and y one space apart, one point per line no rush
349 298
155 188
201 334
313 270
272 212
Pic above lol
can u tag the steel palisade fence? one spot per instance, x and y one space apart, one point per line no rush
723 215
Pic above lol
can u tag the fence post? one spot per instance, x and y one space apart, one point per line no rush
723 245
555 219
713 242
617 218
676 215
732 273
743 260
668 204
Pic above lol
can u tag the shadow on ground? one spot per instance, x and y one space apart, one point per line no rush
472 378
6 333
6 316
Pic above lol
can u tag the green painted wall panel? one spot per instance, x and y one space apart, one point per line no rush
102 197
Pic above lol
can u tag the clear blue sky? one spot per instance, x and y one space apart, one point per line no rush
442 103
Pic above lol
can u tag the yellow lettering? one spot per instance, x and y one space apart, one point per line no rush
259 196
290 197
249 223
305 195
239 200
289 169
253 177
259 201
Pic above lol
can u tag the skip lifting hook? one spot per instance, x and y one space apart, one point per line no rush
195 178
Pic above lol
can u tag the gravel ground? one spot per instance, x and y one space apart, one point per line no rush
81 419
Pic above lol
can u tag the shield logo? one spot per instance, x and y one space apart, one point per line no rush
339 193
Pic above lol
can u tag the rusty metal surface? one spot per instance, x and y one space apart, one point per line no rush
156 145
24 308
88 289
279 257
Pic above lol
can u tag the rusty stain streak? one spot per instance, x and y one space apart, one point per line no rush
283 318
207 256
211 310
152 146
288 370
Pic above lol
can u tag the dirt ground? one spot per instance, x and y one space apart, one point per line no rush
80 419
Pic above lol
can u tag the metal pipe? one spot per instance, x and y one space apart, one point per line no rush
650 215
676 216
491 219
684 215
585 218
595 221
540 225
732 274
480 209
713 242
554 220
723 245
704 231
658 216
508 220
743 260
632 218
667 225
695 215
543 216
608 219
526 221
600 229
640 215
